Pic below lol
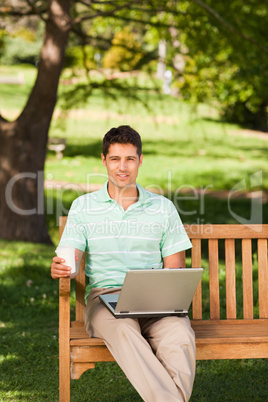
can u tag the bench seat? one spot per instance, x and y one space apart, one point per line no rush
222 339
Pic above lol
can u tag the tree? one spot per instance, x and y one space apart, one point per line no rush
23 141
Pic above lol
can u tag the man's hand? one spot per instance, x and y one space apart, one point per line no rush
58 270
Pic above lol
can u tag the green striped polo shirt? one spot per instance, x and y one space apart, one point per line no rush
115 240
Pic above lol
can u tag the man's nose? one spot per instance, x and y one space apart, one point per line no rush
123 165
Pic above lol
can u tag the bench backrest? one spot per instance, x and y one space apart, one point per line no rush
208 240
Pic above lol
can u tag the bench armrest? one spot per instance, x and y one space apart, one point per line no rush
64 302
64 287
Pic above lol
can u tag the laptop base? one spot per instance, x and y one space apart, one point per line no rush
106 300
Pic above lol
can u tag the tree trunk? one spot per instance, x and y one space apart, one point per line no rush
23 142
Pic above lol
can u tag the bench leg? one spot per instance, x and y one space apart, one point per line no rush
64 340
64 375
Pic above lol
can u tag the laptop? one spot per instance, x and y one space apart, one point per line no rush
154 293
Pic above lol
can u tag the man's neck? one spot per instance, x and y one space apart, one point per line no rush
125 196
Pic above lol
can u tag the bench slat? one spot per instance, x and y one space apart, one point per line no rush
183 259
230 278
227 231
214 279
196 263
239 350
247 279
216 331
263 278
80 291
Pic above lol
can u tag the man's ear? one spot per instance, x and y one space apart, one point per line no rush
141 160
103 160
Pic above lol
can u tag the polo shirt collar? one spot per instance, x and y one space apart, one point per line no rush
144 196
103 195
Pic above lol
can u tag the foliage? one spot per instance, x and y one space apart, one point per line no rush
23 46
80 57
217 53
2 43
226 59
125 52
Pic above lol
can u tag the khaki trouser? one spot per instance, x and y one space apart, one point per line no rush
157 355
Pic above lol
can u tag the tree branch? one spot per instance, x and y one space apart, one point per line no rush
23 11
136 5
99 14
228 26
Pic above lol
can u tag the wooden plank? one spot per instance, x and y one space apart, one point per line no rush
263 278
227 231
64 331
62 223
80 283
79 280
233 351
230 279
247 278
90 354
233 323
64 340
77 369
232 331
196 263
214 279
77 324
183 259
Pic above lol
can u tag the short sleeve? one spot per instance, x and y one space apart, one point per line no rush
74 233
175 238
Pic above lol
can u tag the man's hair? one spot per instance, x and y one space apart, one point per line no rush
121 135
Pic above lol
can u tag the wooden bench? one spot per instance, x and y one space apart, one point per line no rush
222 335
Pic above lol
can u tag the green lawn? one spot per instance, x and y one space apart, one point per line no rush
183 147
189 152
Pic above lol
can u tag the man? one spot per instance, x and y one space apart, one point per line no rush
123 226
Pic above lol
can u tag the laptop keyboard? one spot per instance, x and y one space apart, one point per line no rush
113 304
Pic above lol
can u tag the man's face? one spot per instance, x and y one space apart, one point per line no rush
122 163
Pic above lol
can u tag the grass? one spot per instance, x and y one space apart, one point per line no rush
29 344
191 155
184 145
194 150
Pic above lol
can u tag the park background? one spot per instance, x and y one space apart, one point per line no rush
204 138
